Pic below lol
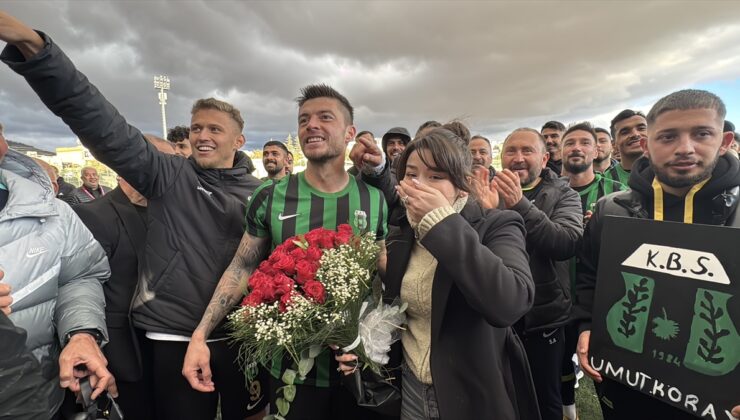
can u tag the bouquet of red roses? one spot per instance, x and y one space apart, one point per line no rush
313 291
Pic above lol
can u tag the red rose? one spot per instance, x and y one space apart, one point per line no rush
313 253
305 271
267 268
282 284
323 238
284 263
344 234
253 299
314 290
275 255
268 292
298 254
257 279
285 301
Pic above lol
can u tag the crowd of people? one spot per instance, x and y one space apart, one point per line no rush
130 287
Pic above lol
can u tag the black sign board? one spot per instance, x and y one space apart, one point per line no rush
667 310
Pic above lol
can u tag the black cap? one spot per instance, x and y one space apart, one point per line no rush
729 126
394 132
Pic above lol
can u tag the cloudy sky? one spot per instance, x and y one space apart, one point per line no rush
497 65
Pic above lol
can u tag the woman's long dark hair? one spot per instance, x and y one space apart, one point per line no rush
448 154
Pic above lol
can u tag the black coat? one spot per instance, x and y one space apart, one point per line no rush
23 390
554 222
482 285
195 215
121 231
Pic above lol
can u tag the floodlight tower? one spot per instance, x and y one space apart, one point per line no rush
162 83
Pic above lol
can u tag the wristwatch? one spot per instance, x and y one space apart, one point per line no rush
92 331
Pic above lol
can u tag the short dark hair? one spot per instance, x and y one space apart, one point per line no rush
627 113
687 99
178 133
729 126
553 125
478 136
362 133
276 143
603 130
427 124
450 155
325 91
460 129
583 126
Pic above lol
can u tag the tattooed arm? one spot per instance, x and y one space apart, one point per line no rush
230 289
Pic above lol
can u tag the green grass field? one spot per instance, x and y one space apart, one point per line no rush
587 404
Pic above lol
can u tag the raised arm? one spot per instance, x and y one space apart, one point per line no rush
230 289
97 123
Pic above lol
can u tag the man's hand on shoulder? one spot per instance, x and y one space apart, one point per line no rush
15 32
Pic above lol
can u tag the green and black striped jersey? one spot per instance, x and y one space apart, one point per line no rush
599 187
292 207
619 174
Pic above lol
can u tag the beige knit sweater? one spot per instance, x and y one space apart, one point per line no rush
416 291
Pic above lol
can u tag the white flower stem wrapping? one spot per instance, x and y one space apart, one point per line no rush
379 329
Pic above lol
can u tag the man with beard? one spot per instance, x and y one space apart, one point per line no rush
274 154
324 195
90 188
195 217
552 217
628 128
552 131
604 147
579 148
685 176
480 148
394 142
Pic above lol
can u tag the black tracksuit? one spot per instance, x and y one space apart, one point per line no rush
714 204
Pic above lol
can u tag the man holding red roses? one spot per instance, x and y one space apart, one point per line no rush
324 195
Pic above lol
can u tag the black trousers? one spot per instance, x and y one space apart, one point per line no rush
545 353
175 399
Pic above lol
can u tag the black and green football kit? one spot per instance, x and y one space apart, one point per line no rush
618 173
292 207
599 187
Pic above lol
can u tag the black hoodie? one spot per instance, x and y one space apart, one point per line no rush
195 216
714 204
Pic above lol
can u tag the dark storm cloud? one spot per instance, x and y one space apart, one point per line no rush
499 65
